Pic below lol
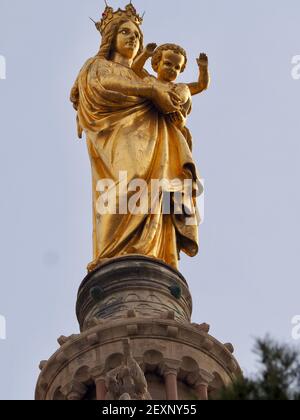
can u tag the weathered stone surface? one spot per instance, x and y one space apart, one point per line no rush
42 364
193 353
172 356
133 285
229 347
127 381
202 327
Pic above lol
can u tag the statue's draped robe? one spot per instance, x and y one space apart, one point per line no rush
126 133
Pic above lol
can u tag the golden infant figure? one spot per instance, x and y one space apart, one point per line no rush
168 61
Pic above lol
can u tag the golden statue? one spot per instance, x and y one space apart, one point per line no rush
135 124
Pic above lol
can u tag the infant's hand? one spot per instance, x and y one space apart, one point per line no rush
202 61
150 48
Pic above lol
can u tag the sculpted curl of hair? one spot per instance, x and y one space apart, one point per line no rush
168 47
109 38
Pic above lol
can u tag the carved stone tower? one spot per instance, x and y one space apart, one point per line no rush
137 340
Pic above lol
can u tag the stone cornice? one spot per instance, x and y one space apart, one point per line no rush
152 330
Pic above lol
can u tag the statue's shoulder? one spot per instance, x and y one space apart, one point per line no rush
102 62
103 67
97 65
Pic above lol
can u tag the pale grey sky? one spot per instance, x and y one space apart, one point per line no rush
245 280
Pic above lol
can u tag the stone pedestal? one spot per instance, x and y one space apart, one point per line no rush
146 303
144 286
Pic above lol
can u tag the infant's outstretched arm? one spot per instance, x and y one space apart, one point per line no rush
204 79
140 61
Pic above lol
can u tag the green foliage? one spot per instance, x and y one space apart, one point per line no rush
278 377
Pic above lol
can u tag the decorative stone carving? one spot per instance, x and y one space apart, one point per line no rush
132 329
74 391
93 322
131 313
229 347
168 315
63 339
100 349
172 331
127 382
92 339
202 327
42 364
132 285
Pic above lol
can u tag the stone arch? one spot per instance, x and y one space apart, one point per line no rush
153 298
113 361
152 359
188 371
83 375
132 297
189 364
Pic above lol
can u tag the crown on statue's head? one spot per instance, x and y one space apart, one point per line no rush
109 15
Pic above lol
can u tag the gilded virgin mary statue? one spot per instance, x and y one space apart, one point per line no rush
134 125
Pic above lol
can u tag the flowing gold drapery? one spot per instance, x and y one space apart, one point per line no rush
126 133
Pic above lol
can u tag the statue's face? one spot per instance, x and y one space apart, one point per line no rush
128 40
170 66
